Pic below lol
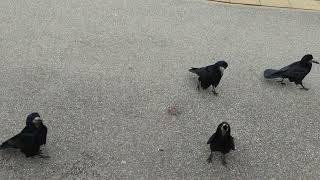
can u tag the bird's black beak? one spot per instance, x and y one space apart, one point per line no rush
315 62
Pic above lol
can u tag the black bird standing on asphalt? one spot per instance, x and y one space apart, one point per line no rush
295 72
210 75
221 141
30 138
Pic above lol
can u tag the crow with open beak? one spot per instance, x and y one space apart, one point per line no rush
221 141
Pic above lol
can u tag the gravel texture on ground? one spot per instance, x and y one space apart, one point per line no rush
111 81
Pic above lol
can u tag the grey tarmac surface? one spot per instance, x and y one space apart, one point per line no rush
103 73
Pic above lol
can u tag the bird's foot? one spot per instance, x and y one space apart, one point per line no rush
281 82
223 160
304 88
209 160
214 92
44 156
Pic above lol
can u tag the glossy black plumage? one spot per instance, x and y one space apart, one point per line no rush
295 72
30 138
221 141
210 75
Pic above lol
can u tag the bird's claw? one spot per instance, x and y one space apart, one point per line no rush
281 82
44 156
306 89
214 91
223 159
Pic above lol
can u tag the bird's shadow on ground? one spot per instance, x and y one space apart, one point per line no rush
17 155
217 161
277 85
8 154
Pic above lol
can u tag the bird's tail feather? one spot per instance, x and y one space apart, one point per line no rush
8 144
272 73
4 145
193 70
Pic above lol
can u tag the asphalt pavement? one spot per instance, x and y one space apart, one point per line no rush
102 75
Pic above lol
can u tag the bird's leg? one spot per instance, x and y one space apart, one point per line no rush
282 82
223 158
198 86
304 88
209 160
43 156
214 91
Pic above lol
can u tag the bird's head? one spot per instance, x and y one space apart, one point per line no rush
308 59
34 119
222 64
224 129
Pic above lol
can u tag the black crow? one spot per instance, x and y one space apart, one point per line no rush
221 141
295 72
210 75
30 138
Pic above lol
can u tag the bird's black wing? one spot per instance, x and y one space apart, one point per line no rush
43 135
205 78
281 73
31 144
211 139
198 71
215 75
26 141
14 142
296 73
18 140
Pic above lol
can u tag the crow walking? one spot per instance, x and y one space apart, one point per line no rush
210 75
221 141
30 138
295 72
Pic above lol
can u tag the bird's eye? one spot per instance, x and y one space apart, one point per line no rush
225 127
